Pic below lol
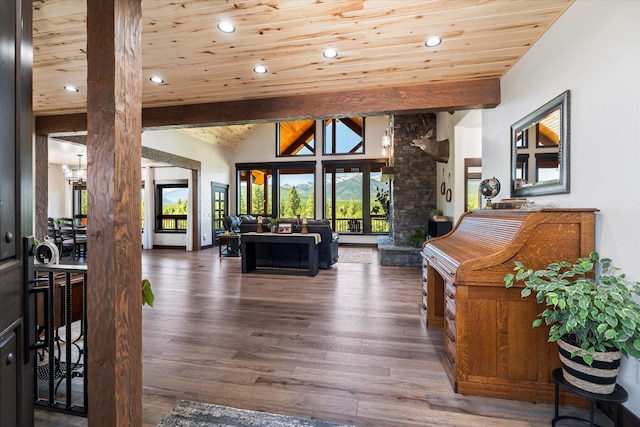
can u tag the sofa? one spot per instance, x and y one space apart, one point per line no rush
294 255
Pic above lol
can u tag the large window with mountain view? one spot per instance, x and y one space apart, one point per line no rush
283 190
343 135
172 207
297 195
356 200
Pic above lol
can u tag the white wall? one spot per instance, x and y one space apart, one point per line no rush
216 167
463 129
593 50
60 193
260 146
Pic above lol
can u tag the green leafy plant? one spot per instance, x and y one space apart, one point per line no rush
147 293
597 312
384 200
418 236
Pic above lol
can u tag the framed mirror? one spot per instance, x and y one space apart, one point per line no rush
540 150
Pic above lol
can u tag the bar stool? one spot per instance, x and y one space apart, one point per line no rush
618 396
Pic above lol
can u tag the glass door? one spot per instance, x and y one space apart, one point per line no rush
219 209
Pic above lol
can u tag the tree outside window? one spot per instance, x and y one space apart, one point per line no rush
172 207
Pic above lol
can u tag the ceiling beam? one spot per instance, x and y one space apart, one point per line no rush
448 96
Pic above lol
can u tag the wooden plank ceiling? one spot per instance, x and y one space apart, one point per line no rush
380 45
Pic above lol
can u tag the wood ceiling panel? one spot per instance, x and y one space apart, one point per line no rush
380 44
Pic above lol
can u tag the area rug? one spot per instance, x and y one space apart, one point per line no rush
188 413
354 255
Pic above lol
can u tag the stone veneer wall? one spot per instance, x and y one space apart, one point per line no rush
415 177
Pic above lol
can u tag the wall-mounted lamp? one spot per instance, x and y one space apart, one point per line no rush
386 143
74 176
387 151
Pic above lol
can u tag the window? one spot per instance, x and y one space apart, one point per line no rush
297 192
296 138
172 207
343 136
472 179
277 189
80 201
355 198
255 191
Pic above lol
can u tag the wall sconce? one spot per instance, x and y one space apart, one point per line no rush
386 143
74 176
387 151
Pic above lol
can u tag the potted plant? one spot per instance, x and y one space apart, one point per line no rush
273 224
593 316
418 237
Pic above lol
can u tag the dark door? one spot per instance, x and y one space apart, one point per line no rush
219 208
16 207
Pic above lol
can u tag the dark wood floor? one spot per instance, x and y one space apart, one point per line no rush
348 345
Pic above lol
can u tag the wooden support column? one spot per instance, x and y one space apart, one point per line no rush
114 301
42 185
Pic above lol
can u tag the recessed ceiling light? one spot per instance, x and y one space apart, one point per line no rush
260 69
156 79
226 27
330 53
70 88
433 42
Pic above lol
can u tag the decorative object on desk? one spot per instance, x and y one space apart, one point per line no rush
285 228
259 225
593 312
489 188
509 204
304 229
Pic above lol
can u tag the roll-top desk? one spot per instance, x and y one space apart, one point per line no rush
491 348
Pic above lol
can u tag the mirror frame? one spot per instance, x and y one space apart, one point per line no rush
561 185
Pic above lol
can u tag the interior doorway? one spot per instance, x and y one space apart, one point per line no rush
219 209
472 178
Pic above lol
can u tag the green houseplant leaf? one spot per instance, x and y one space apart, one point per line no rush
147 293
588 300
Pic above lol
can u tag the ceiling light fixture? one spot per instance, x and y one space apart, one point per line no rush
70 88
226 27
260 69
75 176
156 79
330 53
433 41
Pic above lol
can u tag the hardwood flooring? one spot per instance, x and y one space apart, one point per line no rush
348 346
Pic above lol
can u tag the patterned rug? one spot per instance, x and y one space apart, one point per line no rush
354 255
188 413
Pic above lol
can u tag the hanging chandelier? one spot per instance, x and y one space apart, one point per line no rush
75 176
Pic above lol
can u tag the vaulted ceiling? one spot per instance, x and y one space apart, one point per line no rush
380 44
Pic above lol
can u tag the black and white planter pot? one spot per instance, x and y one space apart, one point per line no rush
598 378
